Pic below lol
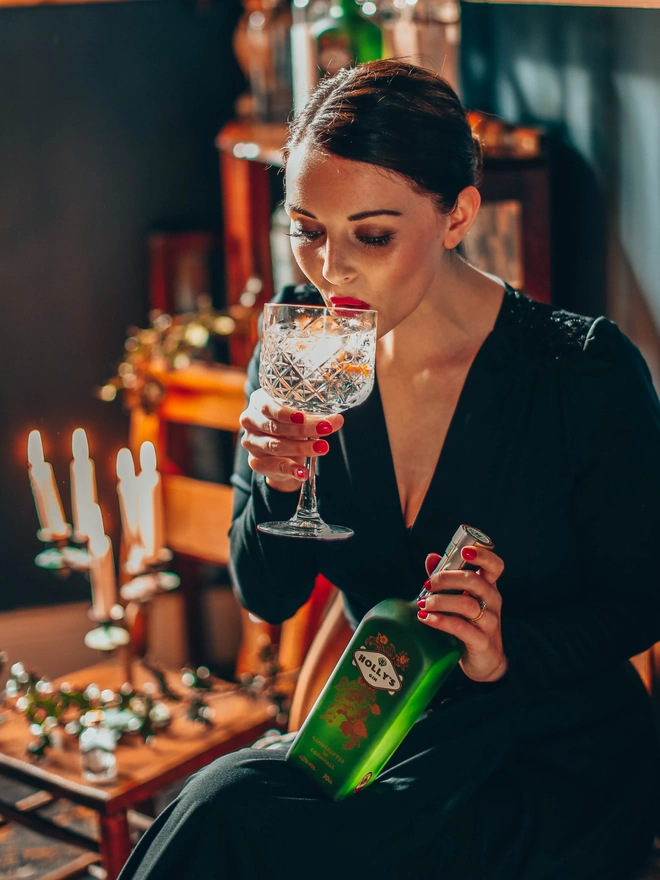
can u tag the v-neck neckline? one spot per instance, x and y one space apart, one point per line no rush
391 479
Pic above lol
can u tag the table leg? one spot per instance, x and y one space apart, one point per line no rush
115 843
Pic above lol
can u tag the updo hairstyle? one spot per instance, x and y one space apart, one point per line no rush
398 116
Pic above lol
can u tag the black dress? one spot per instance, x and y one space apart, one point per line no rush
551 773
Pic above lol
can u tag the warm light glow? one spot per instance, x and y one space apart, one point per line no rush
99 545
79 444
108 393
125 465
44 488
148 456
224 325
35 448
83 483
135 562
181 361
127 489
95 530
150 503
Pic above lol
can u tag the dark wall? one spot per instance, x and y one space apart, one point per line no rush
108 114
592 77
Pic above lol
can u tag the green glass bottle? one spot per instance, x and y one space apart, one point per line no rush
389 672
346 36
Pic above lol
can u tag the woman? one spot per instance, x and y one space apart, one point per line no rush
538 759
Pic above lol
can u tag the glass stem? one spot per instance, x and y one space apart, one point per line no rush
307 511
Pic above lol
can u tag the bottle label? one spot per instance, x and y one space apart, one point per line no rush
356 700
377 670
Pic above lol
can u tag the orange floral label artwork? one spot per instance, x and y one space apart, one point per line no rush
355 700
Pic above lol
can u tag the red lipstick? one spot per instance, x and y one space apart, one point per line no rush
348 302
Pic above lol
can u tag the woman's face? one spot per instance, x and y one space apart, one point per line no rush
363 233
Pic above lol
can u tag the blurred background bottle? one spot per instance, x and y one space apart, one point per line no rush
262 46
426 33
327 35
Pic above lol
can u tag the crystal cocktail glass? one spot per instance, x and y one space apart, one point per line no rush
319 361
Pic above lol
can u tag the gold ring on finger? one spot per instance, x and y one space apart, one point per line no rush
482 606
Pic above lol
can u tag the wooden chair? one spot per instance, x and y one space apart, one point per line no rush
198 513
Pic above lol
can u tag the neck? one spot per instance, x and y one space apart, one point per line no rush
449 325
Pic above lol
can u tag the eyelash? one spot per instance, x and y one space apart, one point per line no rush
377 241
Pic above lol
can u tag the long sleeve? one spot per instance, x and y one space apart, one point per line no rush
272 576
614 414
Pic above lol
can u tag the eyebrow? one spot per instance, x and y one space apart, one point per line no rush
361 216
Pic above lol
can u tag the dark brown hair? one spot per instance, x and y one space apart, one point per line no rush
398 116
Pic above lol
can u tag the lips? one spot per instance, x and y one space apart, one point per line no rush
347 302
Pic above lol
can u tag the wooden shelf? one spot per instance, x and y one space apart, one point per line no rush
255 141
262 141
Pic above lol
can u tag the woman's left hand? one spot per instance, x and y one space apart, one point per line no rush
481 633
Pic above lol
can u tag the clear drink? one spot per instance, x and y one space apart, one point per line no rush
321 361
322 373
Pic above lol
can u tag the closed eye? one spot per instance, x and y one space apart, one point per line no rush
378 240
367 241
310 235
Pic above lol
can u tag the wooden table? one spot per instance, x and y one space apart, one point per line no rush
142 770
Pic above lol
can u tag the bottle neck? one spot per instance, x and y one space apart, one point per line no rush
350 9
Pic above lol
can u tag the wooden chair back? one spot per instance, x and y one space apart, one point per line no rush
198 513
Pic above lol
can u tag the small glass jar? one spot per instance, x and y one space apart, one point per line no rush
97 749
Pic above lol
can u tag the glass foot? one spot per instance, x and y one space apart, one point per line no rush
319 531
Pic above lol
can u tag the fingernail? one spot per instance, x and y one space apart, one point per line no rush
469 553
432 561
423 614
421 603
298 418
301 473
321 446
324 428
427 585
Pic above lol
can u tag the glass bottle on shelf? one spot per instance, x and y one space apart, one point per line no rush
426 33
262 47
327 35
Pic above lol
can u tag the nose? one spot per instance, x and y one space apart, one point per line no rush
338 267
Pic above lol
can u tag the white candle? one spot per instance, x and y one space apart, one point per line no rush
127 489
101 568
83 483
44 488
150 504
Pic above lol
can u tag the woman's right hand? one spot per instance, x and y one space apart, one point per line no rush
278 439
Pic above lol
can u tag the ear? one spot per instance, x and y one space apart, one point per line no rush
462 216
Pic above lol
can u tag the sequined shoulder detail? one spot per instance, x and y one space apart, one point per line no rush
545 330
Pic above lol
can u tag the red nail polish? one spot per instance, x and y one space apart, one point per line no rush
301 473
469 553
421 603
298 418
433 560
423 614
321 446
324 428
427 585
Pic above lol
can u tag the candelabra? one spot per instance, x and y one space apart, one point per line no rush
61 553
